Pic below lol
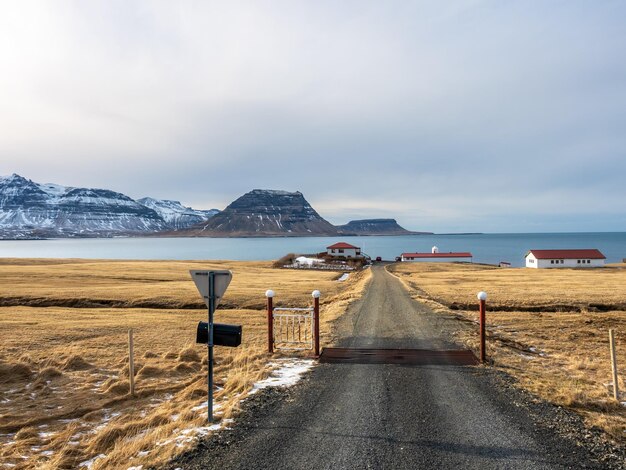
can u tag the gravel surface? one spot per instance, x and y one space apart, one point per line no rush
398 416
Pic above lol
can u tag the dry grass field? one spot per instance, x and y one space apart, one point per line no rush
64 324
547 328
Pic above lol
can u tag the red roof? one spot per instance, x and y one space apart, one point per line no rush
463 254
341 245
567 254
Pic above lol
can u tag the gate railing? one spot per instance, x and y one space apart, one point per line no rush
291 328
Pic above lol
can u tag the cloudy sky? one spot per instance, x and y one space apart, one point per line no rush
470 115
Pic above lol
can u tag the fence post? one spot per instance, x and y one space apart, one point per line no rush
614 364
131 362
270 320
316 320
482 297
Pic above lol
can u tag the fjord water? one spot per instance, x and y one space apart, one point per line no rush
486 248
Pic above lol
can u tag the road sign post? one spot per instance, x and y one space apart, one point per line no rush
211 285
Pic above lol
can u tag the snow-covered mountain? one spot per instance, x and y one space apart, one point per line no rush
29 209
175 214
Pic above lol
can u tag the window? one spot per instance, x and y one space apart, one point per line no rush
562 261
340 250
551 261
578 261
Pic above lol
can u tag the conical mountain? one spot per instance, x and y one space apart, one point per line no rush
262 213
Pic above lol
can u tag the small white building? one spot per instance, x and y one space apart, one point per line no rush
303 261
565 259
344 250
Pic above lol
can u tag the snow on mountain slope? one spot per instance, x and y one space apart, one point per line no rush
263 212
28 209
175 214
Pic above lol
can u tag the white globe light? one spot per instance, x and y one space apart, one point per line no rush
482 295
269 293
316 294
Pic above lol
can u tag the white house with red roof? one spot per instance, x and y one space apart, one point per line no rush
565 259
344 250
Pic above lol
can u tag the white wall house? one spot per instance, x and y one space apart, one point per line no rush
344 250
435 256
303 261
564 259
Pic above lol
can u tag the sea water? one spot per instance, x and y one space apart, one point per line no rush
485 248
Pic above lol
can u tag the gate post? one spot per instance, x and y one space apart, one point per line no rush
270 320
316 320
482 297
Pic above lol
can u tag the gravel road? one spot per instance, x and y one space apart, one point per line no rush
397 416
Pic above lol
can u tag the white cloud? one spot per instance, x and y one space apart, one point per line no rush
369 108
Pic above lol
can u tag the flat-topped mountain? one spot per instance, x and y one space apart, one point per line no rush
262 213
375 227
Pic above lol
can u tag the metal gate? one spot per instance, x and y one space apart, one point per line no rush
291 328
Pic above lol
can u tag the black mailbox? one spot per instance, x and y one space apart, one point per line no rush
223 335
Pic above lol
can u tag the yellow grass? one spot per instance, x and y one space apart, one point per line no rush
151 284
562 356
64 372
518 287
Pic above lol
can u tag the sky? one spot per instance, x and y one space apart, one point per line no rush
456 116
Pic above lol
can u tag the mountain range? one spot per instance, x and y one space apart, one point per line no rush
32 210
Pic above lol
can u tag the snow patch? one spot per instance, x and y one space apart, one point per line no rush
89 463
288 373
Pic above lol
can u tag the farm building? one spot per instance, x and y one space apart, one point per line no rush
435 255
343 250
564 259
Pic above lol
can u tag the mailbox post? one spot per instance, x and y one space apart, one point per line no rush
211 285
